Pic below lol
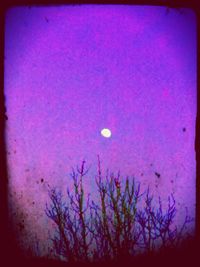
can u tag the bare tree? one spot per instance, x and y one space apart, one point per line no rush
115 226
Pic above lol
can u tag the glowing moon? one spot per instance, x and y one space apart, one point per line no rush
106 133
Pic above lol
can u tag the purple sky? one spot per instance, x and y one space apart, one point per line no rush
72 71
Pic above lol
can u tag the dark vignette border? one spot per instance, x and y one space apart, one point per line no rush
9 250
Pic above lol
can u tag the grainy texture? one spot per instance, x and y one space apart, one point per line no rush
72 71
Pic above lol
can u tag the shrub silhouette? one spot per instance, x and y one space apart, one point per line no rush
124 222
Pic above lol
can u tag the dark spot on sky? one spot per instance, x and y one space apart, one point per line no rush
21 226
27 170
151 164
14 151
172 181
46 19
42 180
184 129
33 203
142 174
157 174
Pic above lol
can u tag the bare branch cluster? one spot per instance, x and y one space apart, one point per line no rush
116 226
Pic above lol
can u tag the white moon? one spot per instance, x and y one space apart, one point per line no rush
106 133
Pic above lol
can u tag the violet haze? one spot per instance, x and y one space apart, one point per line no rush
71 71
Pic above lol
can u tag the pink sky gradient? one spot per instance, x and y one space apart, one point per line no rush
72 71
